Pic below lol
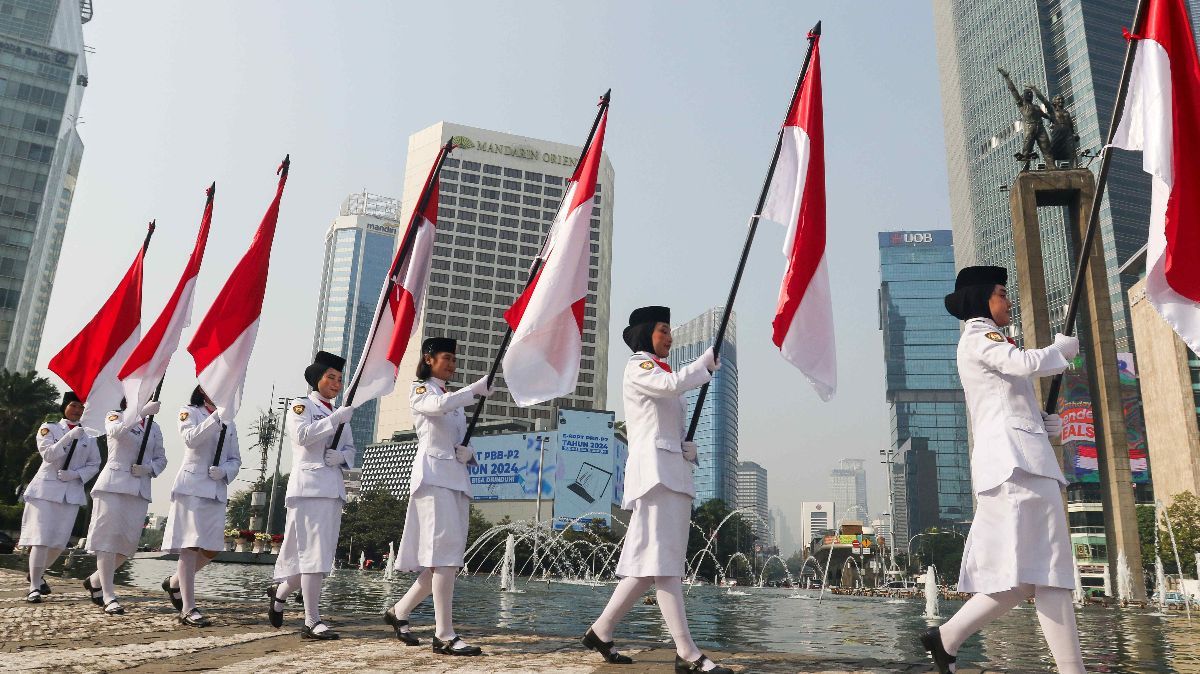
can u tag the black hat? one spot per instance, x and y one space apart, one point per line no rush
973 290
321 362
983 275
637 334
436 345
68 398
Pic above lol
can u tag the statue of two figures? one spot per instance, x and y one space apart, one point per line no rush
1061 144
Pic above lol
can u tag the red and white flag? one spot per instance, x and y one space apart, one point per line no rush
400 299
90 362
145 367
542 361
1162 119
224 340
803 326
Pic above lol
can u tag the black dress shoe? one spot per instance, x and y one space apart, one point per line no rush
276 617
405 637
34 597
684 667
93 592
195 619
605 649
44 588
455 646
324 635
931 639
173 594
114 608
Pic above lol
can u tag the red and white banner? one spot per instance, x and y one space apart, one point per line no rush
803 325
147 364
224 340
90 362
1162 119
542 361
399 300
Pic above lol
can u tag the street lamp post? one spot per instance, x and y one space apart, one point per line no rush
888 454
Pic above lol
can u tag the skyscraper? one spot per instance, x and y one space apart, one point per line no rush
358 255
499 195
848 483
42 77
815 518
717 433
920 344
752 493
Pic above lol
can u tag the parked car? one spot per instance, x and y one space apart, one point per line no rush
1174 600
7 544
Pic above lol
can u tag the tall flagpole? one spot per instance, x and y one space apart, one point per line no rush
1085 249
813 36
533 270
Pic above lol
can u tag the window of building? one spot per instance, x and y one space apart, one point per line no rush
492 169
529 175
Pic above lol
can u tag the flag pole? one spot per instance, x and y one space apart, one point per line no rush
1085 250
813 36
533 270
145 247
406 244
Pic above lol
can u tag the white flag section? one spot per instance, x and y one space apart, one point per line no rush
803 325
106 391
542 360
1162 119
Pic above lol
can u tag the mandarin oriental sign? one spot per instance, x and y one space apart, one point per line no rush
518 151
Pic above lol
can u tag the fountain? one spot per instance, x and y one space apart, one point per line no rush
391 563
362 560
1079 595
762 575
1160 583
931 593
1124 579
1158 507
508 569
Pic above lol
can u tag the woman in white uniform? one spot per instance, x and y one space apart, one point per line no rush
1019 545
315 494
120 498
435 526
69 459
658 488
196 521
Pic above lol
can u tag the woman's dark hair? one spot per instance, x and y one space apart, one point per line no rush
197 397
424 370
123 404
640 336
976 302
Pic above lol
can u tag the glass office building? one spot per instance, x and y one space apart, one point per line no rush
717 433
358 255
920 343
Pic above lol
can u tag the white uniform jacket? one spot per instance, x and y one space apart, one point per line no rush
53 447
1006 418
201 431
124 443
441 423
311 433
655 412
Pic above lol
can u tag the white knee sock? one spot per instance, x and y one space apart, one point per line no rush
670 602
286 587
37 565
421 588
186 573
627 592
1056 613
106 568
443 601
977 612
310 584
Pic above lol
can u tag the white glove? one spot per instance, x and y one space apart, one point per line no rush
341 415
151 408
481 388
1053 424
67 475
1067 346
710 360
333 458
140 470
465 454
689 450
216 473
74 434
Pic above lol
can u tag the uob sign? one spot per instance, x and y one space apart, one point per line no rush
912 237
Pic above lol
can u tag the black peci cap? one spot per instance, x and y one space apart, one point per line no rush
321 362
68 398
436 345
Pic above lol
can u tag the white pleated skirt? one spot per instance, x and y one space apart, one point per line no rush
656 543
47 523
117 521
194 522
310 536
1019 535
435 529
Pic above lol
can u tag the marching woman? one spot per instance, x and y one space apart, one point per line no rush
120 498
196 521
1019 545
315 495
55 493
658 488
435 526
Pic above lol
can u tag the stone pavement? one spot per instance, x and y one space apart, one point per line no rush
66 633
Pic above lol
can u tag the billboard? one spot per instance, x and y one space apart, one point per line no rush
508 466
585 474
1079 431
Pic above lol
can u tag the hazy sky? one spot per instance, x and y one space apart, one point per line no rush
181 94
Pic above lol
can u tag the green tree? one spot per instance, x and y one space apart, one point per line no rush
942 549
1184 512
1145 526
237 515
372 521
25 401
736 535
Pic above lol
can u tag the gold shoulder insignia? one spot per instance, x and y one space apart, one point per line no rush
646 365
420 390
44 431
114 416
995 336
298 409
183 416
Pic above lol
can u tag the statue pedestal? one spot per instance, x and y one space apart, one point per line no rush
1075 189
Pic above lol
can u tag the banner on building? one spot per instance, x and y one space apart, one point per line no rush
508 467
1079 433
585 475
